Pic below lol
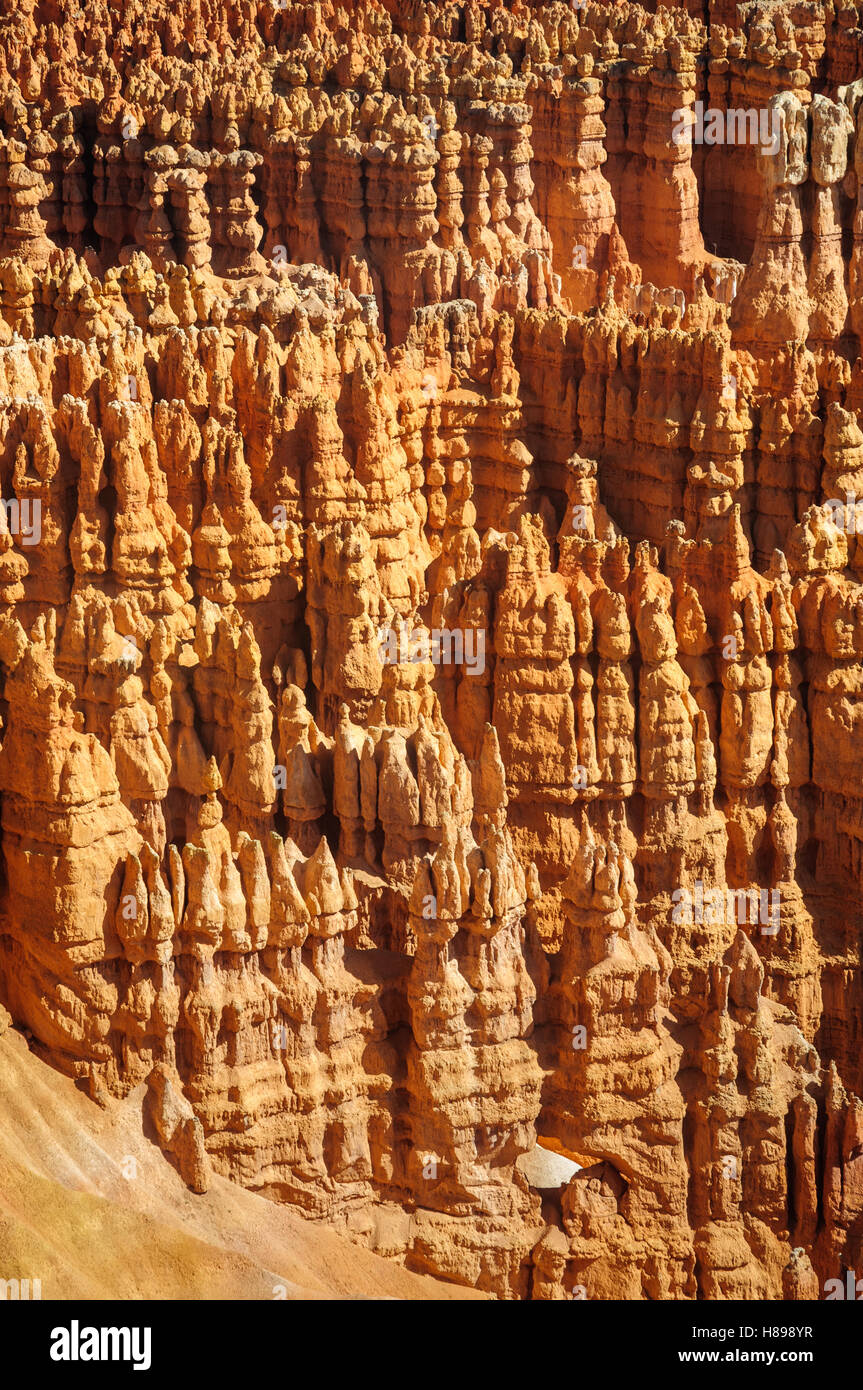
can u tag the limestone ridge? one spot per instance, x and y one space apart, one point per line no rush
430 675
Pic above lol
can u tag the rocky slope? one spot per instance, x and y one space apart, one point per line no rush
91 1209
429 672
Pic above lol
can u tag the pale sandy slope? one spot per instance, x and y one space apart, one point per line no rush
69 1217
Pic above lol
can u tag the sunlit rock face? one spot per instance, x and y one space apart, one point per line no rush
431 651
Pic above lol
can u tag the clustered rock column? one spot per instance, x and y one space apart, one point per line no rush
302 387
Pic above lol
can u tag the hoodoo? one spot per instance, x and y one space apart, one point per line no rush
431 625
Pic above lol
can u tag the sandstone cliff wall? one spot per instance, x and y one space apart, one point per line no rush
421 628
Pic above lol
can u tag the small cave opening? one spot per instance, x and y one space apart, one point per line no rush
548 1167
555 1156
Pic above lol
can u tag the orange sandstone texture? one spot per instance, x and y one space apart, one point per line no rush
430 674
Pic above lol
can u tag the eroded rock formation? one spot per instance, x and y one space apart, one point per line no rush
431 619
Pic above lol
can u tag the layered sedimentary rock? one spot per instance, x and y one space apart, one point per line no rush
430 620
